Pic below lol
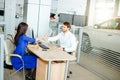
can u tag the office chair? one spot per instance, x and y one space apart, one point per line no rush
74 54
1 31
9 48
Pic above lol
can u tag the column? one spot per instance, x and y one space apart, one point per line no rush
37 14
10 8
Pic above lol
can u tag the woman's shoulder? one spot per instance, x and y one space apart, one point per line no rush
23 36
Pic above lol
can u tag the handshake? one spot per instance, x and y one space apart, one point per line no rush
45 38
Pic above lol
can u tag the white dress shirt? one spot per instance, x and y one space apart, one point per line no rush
67 41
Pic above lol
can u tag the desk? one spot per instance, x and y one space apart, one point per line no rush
46 59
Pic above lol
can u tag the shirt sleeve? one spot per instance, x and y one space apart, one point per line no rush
73 45
28 39
54 38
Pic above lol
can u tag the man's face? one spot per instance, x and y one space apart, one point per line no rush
64 28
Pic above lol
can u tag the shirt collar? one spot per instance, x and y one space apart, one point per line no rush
66 33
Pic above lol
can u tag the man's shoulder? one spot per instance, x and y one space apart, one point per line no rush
61 33
71 33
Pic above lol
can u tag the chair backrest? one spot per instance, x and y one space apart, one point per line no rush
9 48
1 31
10 37
74 53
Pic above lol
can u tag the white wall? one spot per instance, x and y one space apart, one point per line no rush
119 9
71 6
77 7
10 8
31 18
54 4
19 11
91 13
1 4
1 57
37 15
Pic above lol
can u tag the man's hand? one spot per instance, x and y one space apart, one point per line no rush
44 37
37 39
59 48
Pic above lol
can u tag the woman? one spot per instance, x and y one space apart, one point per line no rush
21 41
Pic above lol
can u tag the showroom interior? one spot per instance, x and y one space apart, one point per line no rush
95 23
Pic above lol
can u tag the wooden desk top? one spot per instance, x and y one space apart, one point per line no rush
52 54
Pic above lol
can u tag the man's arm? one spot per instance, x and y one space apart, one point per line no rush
54 38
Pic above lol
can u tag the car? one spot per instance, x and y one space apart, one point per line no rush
105 35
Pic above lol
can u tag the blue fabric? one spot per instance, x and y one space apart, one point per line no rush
29 60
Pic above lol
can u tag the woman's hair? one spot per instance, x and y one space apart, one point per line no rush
67 24
21 29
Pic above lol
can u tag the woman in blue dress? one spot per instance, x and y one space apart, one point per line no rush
21 41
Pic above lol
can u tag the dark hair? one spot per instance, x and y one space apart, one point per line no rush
21 29
52 14
67 24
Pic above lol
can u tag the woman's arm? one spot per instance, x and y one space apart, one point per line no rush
29 39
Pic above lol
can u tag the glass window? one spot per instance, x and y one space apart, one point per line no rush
109 25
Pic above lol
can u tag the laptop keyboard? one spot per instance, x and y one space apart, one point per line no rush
43 46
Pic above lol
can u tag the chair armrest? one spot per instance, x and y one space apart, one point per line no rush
17 55
10 36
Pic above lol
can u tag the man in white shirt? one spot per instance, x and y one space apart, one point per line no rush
67 39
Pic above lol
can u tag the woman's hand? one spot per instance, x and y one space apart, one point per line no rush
34 46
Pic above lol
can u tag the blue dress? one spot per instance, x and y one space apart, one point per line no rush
29 60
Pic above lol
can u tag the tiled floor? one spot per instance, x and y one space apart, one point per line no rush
78 73
17 76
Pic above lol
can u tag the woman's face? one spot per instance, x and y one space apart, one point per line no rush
23 29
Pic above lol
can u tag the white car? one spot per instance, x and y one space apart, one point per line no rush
104 35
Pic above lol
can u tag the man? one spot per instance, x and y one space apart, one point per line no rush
52 16
67 39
